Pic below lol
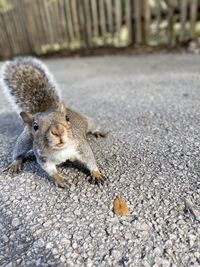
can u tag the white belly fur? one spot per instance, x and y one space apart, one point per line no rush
68 153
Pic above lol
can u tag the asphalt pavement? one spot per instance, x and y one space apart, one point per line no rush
151 106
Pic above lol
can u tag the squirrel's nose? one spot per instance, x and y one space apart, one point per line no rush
57 130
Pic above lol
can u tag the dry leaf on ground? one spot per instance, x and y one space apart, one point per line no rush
120 207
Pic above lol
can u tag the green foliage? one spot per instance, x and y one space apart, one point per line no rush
5 5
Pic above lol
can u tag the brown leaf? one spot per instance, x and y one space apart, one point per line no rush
120 207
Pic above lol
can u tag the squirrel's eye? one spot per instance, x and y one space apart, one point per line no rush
35 126
67 118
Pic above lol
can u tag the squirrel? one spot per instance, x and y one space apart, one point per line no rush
54 132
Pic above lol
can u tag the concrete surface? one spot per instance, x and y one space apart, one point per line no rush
151 104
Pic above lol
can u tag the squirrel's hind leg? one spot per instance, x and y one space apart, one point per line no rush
22 146
94 128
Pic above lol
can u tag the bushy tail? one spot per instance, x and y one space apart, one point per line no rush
29 85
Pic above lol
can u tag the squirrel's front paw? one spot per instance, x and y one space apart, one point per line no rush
14 167
60 181
97 177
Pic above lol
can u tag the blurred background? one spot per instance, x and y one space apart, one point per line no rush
43 27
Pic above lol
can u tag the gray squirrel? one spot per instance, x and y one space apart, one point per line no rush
54 132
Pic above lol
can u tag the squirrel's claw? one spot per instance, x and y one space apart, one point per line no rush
97 178
100 134
60 181
14 167
63 184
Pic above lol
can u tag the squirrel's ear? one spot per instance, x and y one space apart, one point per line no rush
27 117
61 107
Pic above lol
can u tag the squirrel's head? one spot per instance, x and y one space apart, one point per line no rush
51 128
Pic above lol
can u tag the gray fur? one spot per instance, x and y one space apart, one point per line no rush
86 156
92 126
31 88
23 144
29 85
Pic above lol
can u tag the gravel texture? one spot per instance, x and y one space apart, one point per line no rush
151 105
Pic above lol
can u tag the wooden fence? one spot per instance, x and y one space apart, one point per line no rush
41 26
